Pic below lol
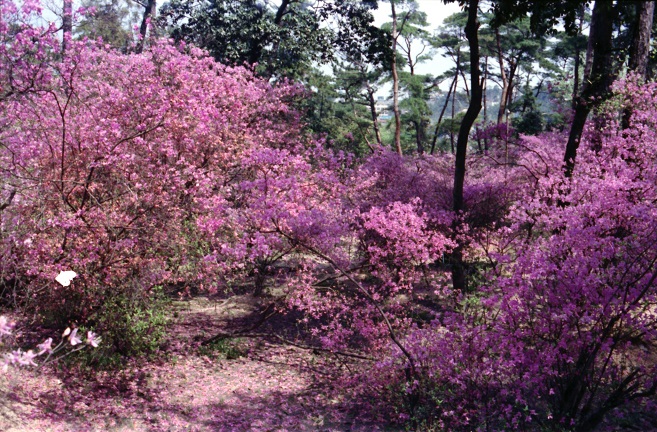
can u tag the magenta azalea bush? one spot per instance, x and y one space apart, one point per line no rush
168 169
561 334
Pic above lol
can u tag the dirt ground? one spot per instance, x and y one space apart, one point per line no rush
245 384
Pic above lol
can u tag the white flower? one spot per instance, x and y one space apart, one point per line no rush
93 339
65 277
45 346
5 326
74 338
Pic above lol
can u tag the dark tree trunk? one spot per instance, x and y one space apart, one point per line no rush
484 90
420 128
578 60
260 278
471 32
149 12
375 116
474 108
640 48
280 12
452 88
395 80
597 82
505 82
451 125
67 23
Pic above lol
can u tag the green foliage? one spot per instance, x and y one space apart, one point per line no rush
544 15
284 40
530 121
222 349
109 20
337 109
238 32
132 325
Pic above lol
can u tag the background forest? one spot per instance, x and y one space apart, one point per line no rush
472 250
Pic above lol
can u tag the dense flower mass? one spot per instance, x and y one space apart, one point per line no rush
125 173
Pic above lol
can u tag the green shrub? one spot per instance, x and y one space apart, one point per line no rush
222 348
131 325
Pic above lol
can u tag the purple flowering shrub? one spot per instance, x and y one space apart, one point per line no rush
563 330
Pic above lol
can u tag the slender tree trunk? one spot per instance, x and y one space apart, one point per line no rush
640 48
578 60
395 80
471 32
67 24
363 134
485 89
451 125
588 60
421 134
149 13
510 84
465 84
375 116
442 113
411 64
505 81
597 83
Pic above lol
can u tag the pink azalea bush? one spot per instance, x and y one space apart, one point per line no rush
110 162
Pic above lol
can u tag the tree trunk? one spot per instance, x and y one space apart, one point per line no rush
409 57
578 60
395 80
280 12
640 48
505 81
471 32
67 24
149 13
451 125
510 84
484 90
474 108
375 116
420 128
452 88
598 80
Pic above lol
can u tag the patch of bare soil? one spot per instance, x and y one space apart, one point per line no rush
237 384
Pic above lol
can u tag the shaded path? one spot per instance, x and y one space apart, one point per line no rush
245 385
